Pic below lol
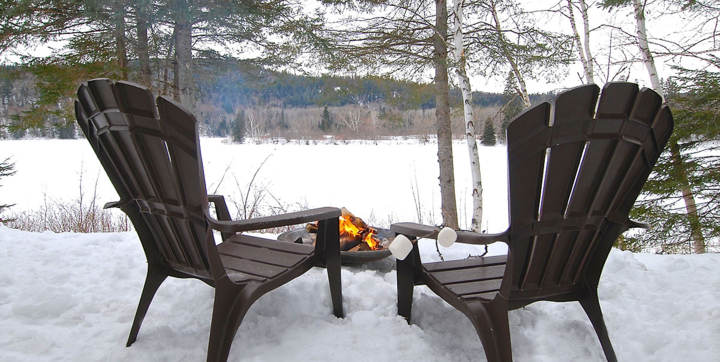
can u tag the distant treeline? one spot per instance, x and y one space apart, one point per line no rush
233 84
222 88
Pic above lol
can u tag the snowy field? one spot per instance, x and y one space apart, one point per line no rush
72 297
374 180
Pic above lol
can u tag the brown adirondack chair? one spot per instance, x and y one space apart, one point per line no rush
575 169
150 151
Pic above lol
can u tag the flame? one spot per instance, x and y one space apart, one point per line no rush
367 234
370 240
348 227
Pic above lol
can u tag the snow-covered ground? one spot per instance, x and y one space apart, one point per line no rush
73 296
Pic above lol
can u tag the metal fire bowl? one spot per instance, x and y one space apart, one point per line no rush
346 257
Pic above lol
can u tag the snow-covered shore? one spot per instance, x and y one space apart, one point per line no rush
72 297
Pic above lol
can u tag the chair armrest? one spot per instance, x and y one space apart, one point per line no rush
471 237
431 232
635 224
415 230
115 204
221 208
259 223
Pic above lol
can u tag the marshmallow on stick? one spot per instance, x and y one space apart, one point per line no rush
446 237
401 247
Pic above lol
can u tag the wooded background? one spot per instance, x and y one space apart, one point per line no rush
361 69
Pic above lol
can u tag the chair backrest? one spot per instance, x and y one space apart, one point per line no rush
150 151
575 169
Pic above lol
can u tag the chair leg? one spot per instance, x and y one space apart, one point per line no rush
231 304
333 272
405 287
155 277
328 241
406 270
491 323
591 305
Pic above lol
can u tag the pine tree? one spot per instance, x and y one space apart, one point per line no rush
694 99
513 104
489 134
7 168
65 130
326 122
239 127
222 129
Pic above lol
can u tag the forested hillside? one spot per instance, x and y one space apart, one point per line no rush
271 103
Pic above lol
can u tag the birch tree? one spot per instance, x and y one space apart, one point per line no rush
678 162
582 45
470 138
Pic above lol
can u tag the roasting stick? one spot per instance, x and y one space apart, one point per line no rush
401 246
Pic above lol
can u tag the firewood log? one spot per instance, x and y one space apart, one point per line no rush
311 228
360 247
348 241
347 215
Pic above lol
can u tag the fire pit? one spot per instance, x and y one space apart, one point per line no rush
359 243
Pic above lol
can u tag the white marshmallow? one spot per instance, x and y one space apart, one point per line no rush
401 247
446 237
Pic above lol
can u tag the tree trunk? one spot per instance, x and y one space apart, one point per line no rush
690 206
183 52
580 48
442 115
142 11
588 54
644 48
688 196
521 88
470 138
170 63
120 44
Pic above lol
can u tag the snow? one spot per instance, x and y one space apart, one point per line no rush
330 173
72 297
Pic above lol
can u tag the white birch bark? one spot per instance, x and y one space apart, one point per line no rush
644 48
580 47
588 54
583 46
471 140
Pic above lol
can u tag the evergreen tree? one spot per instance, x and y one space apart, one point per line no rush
222 129
694 99
282 123
513 105
488 138
65 131
239 127
326 122
7 168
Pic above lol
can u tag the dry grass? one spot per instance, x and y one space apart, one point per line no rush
61 217
81 215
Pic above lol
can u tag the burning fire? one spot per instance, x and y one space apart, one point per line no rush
355 234
367 234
